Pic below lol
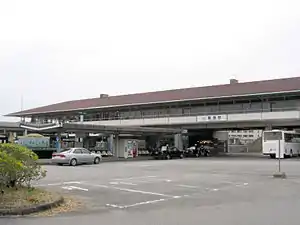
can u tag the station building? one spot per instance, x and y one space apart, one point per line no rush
198 111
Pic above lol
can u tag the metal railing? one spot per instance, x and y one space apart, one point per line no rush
244 111
200 113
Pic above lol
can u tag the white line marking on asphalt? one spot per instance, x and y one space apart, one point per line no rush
113 205
144 203
187 186
67 188
128 183
142 192
113 183
136 204
245 184
215 189
54 184
79 188
72 182
70 188
168 181
57 184
133 178
129 190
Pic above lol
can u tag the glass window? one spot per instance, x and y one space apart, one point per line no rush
272 136
77 151
85 151
291 137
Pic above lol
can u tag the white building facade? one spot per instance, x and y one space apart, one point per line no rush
243 137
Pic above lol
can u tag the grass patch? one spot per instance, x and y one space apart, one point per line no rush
22 197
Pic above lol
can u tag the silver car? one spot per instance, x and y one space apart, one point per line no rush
75 156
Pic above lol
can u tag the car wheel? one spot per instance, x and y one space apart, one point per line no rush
73 162
97 160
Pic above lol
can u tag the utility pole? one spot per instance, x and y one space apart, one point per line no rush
22 105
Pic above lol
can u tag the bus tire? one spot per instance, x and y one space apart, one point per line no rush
272 156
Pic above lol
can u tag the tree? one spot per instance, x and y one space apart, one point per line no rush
18 166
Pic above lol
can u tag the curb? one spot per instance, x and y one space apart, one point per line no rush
32 209
49 162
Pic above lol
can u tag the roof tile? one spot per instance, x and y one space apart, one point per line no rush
225 90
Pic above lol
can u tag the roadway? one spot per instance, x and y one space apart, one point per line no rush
225 191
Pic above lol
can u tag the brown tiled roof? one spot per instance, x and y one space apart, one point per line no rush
216 91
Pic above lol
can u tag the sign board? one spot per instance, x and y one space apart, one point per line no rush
34 142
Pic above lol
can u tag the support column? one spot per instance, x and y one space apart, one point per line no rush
79 140
81 118
178 141
111 146
25 132
58 142
117 146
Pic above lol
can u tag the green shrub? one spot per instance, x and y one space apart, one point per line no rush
18 166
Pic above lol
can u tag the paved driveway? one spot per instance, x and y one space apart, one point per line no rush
189 191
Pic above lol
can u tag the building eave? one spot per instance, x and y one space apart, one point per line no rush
20 114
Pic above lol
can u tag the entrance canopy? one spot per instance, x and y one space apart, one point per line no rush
90 128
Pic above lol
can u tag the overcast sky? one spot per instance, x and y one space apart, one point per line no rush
57 50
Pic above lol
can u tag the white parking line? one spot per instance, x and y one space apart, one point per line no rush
70 188
58 184
136 204
126 183
142 192
79 188
129 190
187 186
72 182
133 178
144 203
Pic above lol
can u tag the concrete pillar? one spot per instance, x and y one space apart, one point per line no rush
58 142
25 132
81 118
79 140
111 146
178 141
117 146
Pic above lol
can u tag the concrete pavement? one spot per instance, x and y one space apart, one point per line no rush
190 191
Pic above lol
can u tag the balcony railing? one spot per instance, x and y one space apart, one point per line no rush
194 114
201 113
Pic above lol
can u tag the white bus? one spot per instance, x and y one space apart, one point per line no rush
288 141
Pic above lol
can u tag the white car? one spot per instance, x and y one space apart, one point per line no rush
75 156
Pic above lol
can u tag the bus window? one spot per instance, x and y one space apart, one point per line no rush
272 136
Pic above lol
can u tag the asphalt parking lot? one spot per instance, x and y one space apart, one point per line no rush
189 191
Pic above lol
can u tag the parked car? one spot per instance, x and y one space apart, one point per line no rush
168 153
75 156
